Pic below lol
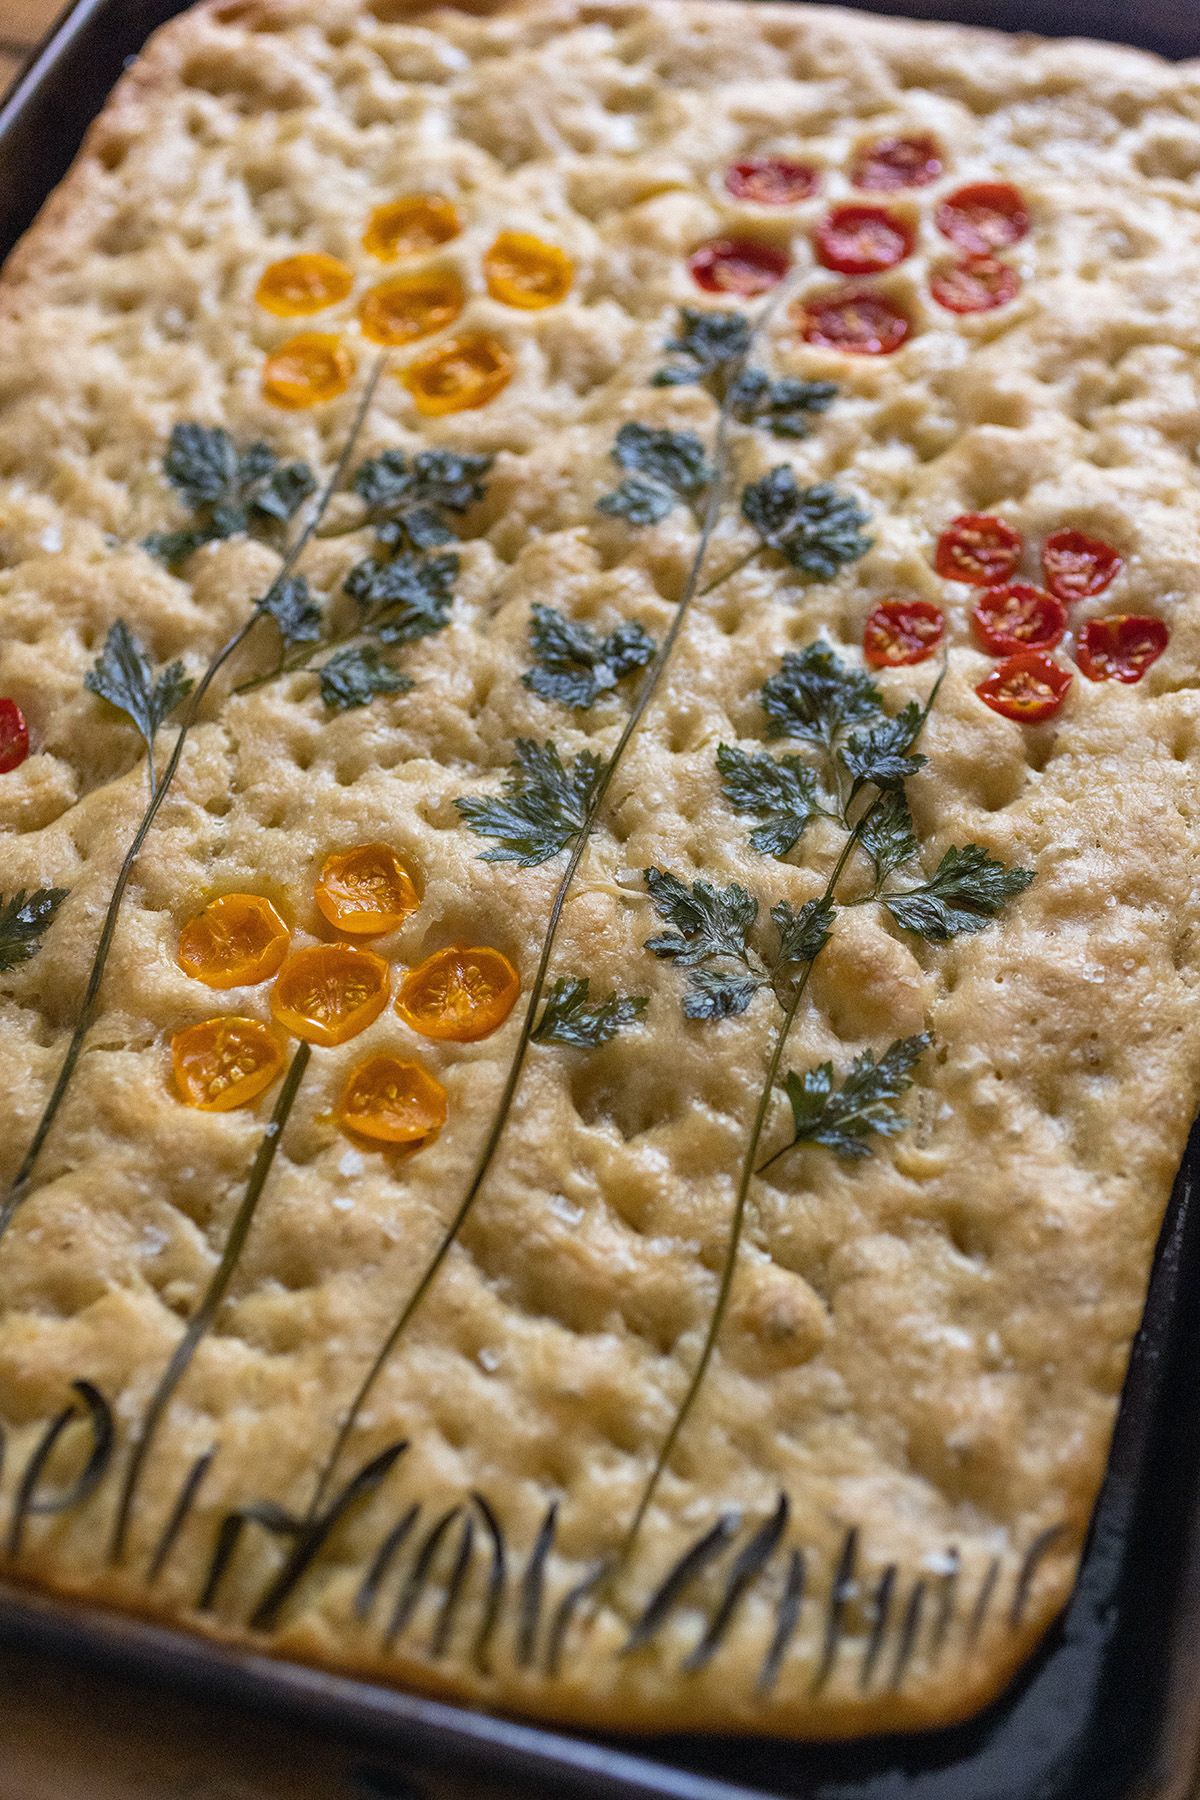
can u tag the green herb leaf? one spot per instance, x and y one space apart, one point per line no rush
842 1119
884 755
283 492
639 501
784 793
782 406
712 921
967 890
815 697
122 675
715 995
201 464
438 478
298 618
804 934
574 665
224 489
544 808
173 547
406 599
887 836
815 528
568 1019
712 345
354 677
666 466
24 918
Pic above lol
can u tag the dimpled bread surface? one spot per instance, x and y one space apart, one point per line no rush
924 1348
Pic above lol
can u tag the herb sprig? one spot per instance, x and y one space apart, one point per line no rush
713 348
122 675
575 666
25 919
227 491
568 1019
666 467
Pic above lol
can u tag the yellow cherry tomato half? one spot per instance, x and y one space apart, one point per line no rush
410 227
303 284
308 369
366 891
237 940
330 993
463 993
223 1063
522 271
393 1101
411 306
464 373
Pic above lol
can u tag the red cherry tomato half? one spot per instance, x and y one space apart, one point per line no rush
14 736
865 324
893 163
771 180
987 216
900 632
1028 688
738 266
1077 566
1121 648
1020 617
977 284
862 240
979 549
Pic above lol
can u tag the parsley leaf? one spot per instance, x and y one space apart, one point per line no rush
711 922
887 836
227 492
967 889
574 665
122 675
712 345
815 697
298 618
405 599
884 755
717 996
544 808
405 503
804 934
784 793
841 1119
354 677
815 528
24 917
666 467
782 406
568 1019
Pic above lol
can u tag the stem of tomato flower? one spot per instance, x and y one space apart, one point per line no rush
731 570
18 1192
214 1294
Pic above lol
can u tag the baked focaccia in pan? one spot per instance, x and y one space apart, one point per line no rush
598 727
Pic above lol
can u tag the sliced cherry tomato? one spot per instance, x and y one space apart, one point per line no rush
862 240
366 891
522 270
392 1101
865 324
771 180
979 549
974 285
900 632
406 307
330 992
738 266
1077 566
308 369
892 163
1020 617
238 940
987 216
458 375
410 227
303 284
1121 648
1028 688
463 993
14 736
223 1063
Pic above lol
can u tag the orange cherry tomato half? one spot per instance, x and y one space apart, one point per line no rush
1018 617
308 369
975 285
987 216
464 373
900 632
771 180
1029 688
410 227
392 1101
1077 567
738 266
237 940
330 992
303 284
864 324
223 1063
1121 648
521 270
978 549
463 993
366 891
411 306
904 162
14 736
862 240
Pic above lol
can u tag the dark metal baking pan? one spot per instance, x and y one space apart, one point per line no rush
1109 1707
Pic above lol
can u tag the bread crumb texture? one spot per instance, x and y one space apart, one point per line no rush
924 1349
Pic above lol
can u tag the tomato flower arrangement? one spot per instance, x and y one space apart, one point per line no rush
520 271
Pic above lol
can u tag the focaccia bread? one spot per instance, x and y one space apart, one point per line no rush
971 266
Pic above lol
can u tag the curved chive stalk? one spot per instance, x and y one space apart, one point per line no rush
19 1190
